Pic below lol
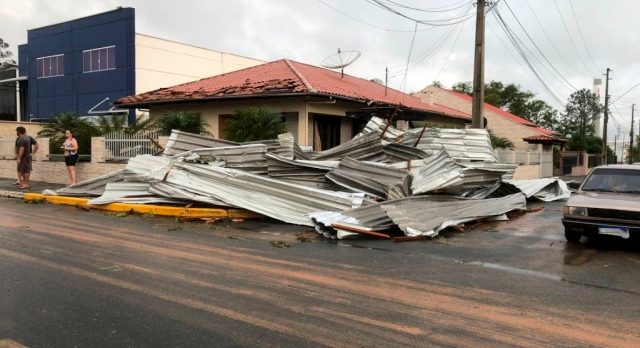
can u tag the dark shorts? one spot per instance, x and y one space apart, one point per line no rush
25 165
30 166
71 160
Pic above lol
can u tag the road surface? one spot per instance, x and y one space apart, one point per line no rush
72 278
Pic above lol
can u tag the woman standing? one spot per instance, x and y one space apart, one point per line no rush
70 148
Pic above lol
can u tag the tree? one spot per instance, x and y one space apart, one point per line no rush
582 108
186 121
82 129
253 123
118 122
378 81
500 142
463 87
437 84
542 114
5 54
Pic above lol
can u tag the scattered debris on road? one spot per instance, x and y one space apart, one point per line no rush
384 183
279 244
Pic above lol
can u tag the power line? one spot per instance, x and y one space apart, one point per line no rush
434 22
369 24
554 46
448 56
536 46
583 41
435 9
570 38
404 80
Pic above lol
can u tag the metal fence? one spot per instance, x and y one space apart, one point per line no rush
519 157
120 146
60 158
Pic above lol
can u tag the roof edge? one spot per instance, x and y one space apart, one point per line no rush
300 76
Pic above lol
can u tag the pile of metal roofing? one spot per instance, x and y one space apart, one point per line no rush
382 182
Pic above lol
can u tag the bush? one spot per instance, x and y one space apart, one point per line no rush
82 129
252 124
186 121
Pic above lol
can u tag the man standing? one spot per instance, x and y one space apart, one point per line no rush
24 156
33 150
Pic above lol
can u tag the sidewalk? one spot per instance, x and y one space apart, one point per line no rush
8 189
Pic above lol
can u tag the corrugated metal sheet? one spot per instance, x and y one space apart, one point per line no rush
368 147
133 193
399 152
165 189
472 144
278 199
375 179
180 142
370 217
251 158
308 173
376 124
283 146
546 189
90 188
428 215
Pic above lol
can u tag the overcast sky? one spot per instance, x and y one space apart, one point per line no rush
309 30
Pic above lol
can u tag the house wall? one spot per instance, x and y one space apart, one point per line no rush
163 63
77 91
500 125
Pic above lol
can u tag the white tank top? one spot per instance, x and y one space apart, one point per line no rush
67 144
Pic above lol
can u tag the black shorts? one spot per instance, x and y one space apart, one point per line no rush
71 160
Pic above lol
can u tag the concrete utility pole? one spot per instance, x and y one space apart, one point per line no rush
477 112
615 147
606 119
633 107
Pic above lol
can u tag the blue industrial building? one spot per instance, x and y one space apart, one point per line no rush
75 66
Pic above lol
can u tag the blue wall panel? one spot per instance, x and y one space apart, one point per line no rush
77 91
22 60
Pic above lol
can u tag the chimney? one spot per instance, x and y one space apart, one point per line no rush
430 98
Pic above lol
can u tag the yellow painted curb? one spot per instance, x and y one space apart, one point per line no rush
146 208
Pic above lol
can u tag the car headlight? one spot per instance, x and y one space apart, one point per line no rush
575 211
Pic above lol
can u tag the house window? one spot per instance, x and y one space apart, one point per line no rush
99 59
50 66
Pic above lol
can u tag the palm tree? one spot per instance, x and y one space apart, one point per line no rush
82 129
186 121
253 123
117 123
500 142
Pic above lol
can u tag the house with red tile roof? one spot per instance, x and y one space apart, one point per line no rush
524 134
317 103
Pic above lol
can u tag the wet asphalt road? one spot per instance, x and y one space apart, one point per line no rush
71 278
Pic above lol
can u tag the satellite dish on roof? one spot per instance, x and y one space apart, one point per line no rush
340 60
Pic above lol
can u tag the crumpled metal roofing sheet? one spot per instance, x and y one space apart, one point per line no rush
546 189
165 189
368 147
309 173
377 124
92 187
283 146
370 217
250 158
278 199
375 179
180 142
428 215
399 152
133 193
460 143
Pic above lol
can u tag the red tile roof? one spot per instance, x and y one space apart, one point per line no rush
538 138
494 109
285 77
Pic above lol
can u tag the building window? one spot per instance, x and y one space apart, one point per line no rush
50 66
99 59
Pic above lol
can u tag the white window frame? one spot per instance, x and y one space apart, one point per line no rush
97 49
42 58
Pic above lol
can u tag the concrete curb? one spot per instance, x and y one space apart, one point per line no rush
145 208
11 194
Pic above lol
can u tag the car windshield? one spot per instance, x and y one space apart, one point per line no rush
613 180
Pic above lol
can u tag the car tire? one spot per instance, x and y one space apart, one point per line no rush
572 237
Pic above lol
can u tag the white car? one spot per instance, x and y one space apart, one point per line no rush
607 203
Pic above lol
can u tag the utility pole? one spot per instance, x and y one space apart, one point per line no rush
615 149
633 107
606 119
477 115
622 157
386 80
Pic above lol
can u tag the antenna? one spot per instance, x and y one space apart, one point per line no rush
340 60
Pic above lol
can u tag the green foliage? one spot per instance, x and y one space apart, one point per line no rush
253 123
116 123
82 129
500 142
5 54
592 144
463 87
582 108
437 84
186 121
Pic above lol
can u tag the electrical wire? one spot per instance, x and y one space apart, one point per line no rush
404 80
435 9
433 22
369 24
449 55
554 46
570 38
583 41
536 46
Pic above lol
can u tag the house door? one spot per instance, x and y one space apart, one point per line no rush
326 132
